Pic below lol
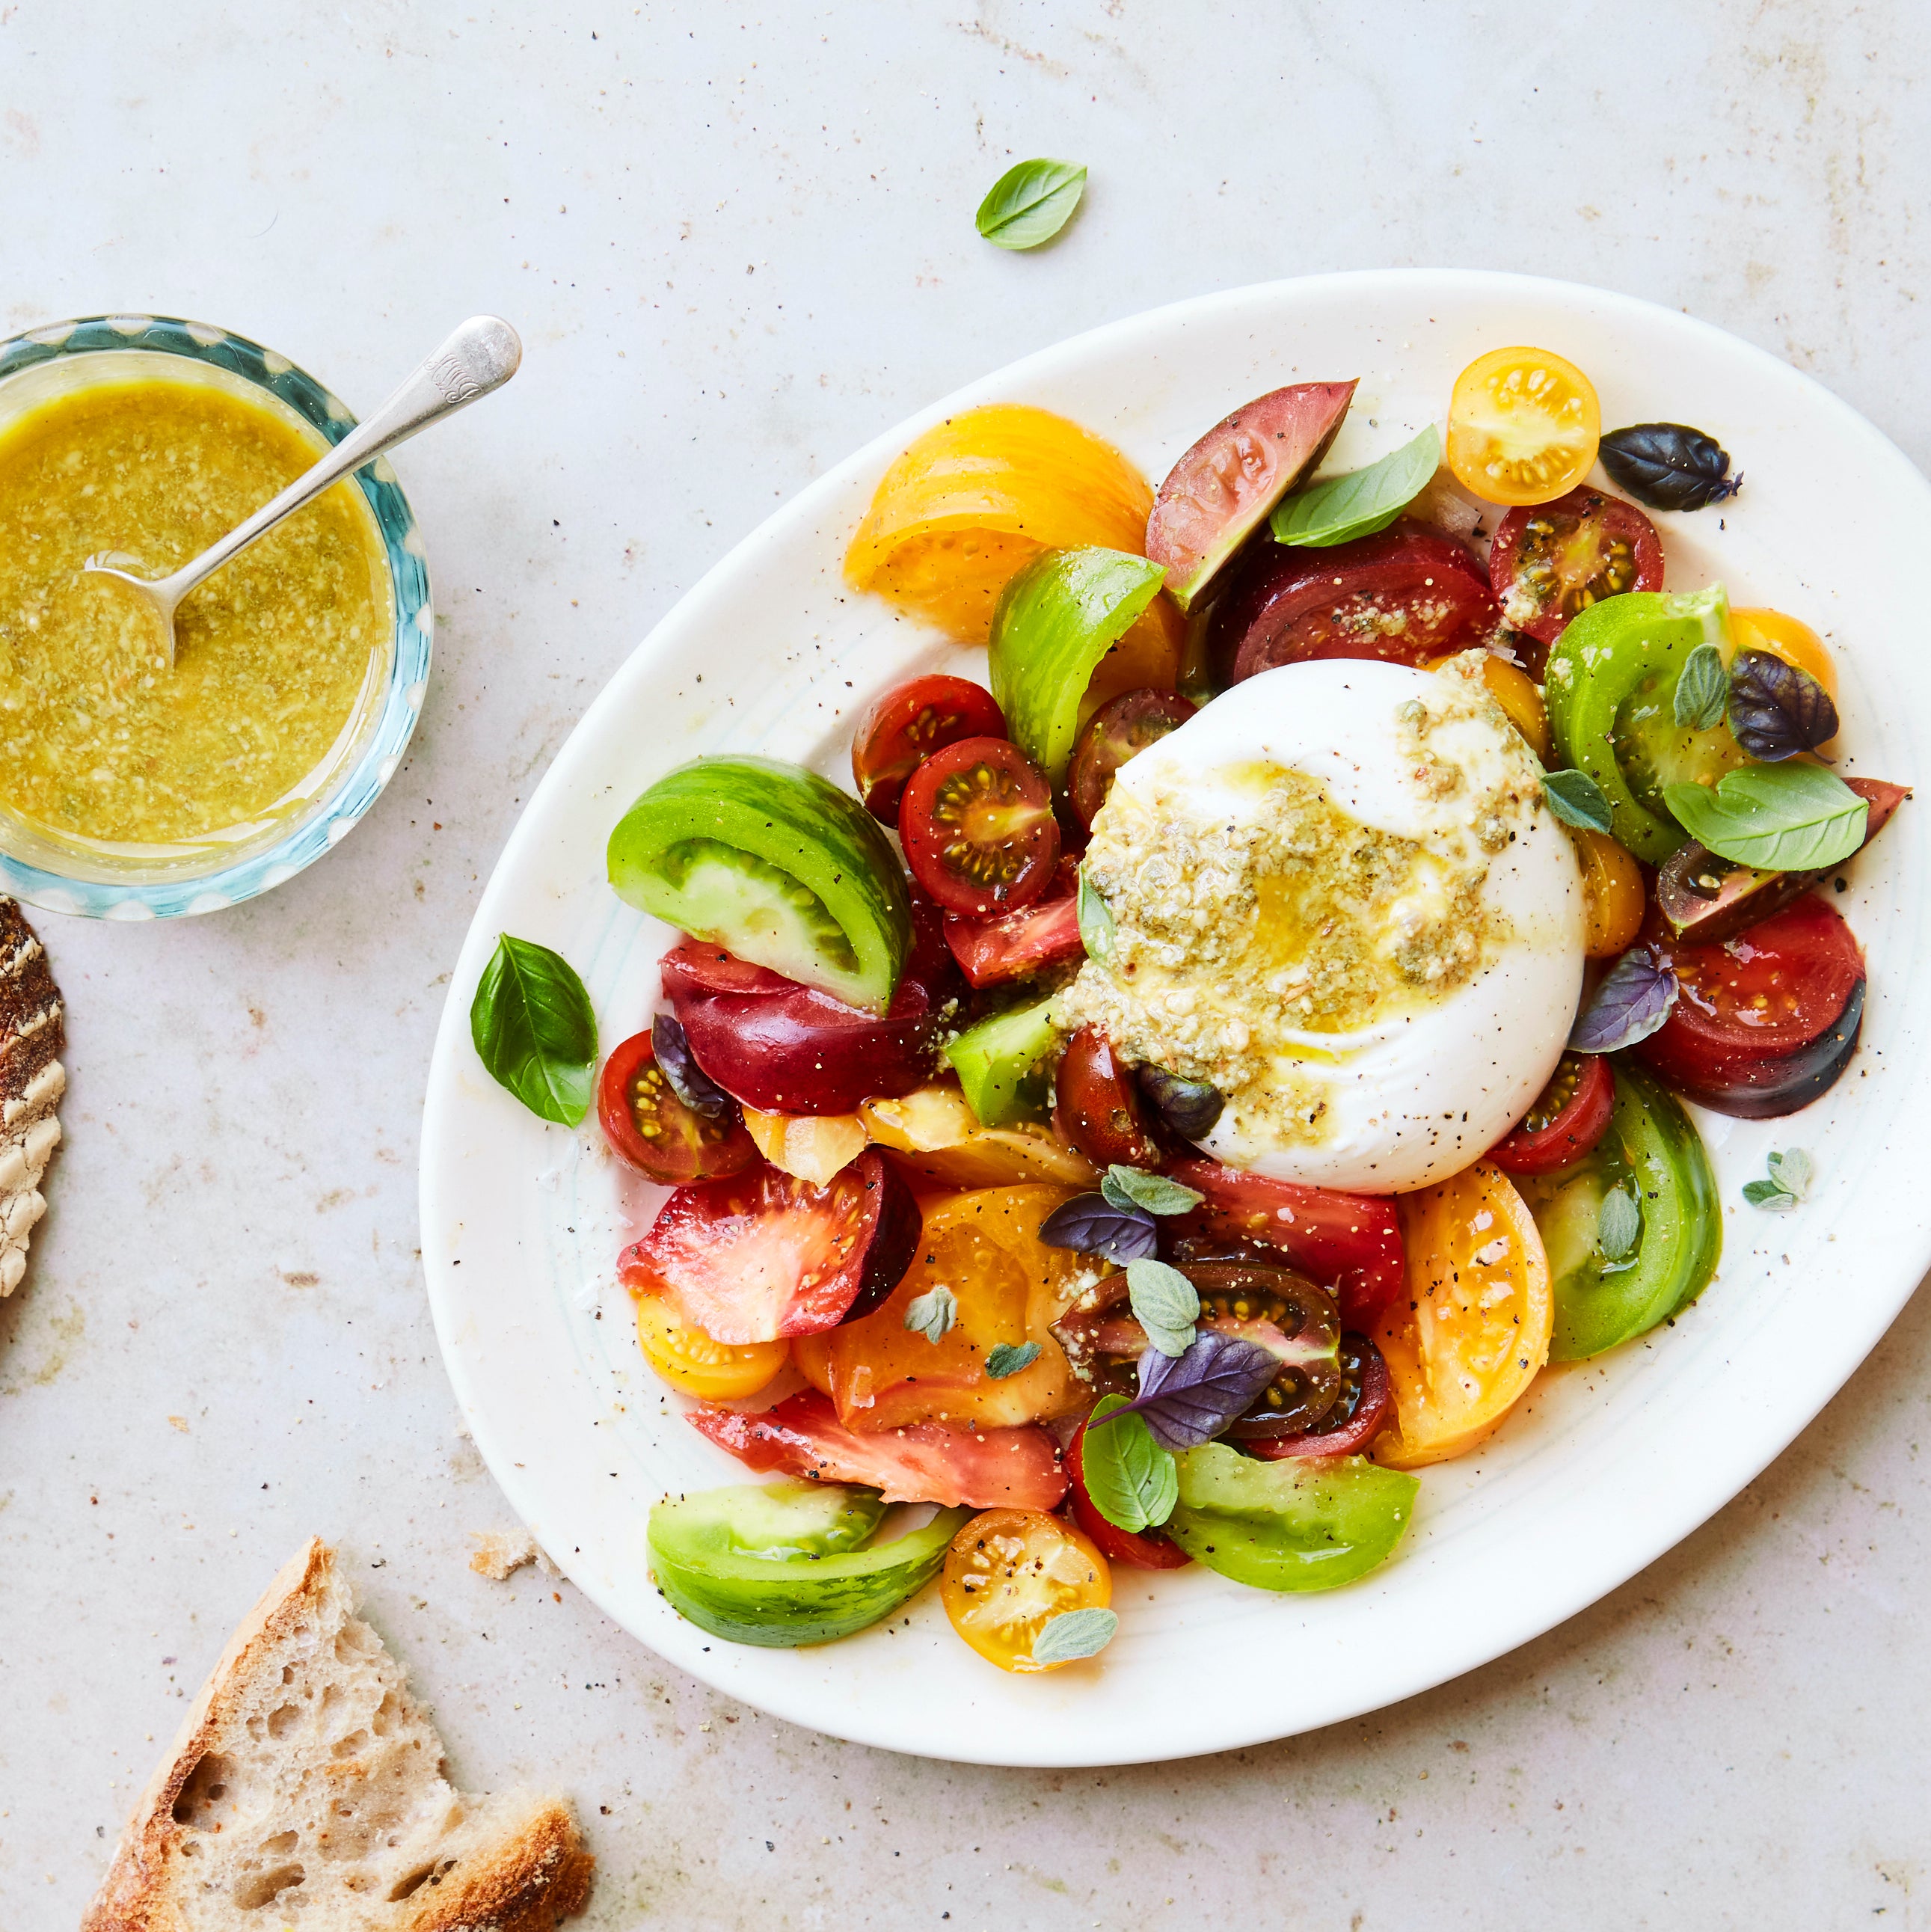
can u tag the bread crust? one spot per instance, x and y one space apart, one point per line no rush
525 1882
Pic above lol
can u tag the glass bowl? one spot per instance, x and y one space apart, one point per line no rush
108 881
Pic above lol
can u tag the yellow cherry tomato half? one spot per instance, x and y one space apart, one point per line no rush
1523 425
942 1144
694 1364
1789 638
1473 1330
1009 1572
1612 895
1516 692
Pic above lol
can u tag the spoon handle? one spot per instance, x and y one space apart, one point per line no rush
480 355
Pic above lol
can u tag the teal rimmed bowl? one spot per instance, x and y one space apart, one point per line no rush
207 874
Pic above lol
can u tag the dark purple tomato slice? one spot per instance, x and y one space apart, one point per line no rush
1118 731
1551 561
900 731
649 1128
976 822
1356 1418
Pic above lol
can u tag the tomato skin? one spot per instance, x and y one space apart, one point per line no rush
1096 1105
1335 1434
1117 732
762 1255
1349 1243
1764 1022
632 1093
1552 560
1008 1572
902 729
1146 1550
1573 1129
785 1048
976 822
1406 594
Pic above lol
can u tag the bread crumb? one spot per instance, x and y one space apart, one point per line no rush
500 1553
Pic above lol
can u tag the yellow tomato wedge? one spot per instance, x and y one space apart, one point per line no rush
941 1144
1009 1572
1474 1327
1612 890
1523 425
1007 1286
1789 638
984 492
814 1146
1515 691
694 1364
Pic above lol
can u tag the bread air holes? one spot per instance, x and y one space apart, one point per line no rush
199 1803
282 1720
434 1873
349 1746
257 1889
386 1713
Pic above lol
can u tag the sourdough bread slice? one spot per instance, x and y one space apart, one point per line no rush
308 1790
32 1032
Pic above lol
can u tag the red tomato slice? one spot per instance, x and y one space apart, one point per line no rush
649 1126
1406 593
1550 561
1350 1243
1355 1420
1570 1118
1016 944
1145 1549
763 1254
1120 730
976 821
1764 1021
900 731
1096 1105
922 1463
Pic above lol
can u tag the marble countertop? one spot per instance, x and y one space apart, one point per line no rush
738 245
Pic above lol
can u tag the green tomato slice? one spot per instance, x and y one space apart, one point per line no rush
1611 691
1304 1523
1056 619
784 1564
777 866
998 1062
1654 1153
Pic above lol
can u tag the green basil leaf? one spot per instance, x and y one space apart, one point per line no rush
1165 1304
932 1313
1030 203
1134 1187
1133 1482
1620 1225
1790 817
1340 509
1074 1634
1767 1194
1702 689
1008 1358
535 1030
1096 930
1577 800
1792 1171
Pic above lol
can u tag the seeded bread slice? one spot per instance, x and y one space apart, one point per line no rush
307 1792
32 1032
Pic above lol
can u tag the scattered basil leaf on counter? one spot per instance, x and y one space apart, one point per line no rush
1008 1358
1096 932
1633 1001
1134 1187
1778 818
1132 1481
1776 710
1339 508
1619 1229
1165 1303
1668 466
1790 1174
1031 202
688 1081
535 1031
1702 687
1074 1634
932 1313
1189 1399
1577 800
1090 1224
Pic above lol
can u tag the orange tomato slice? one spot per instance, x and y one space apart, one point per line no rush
1515 691
1473 1328
941 1144
1008 1287
1009 1572
1523 425
692 1362
1612 893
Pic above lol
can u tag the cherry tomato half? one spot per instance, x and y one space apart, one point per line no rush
1555 560
1117 732
647 1125
692 1364
1008 1572
1096 1105
1523 426
1612 895
1144 1550
1406 594
1765 1021
1356 1419
977 824
1570 1118
1016 945
900 731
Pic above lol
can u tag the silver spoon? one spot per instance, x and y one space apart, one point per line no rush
480 355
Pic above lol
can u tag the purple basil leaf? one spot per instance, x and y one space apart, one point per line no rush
1776 710
688 1081
1090 1225
1187 1399
1633 1001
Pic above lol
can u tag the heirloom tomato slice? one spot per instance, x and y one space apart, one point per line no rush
1009 1573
